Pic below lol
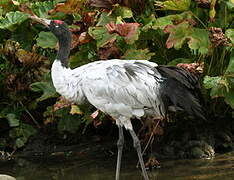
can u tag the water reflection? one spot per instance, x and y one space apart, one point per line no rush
220 168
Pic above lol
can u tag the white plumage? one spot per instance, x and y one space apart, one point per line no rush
120 88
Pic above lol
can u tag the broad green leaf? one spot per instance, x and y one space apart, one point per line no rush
24 36
101 35
46 40
230 68
68 122
229 98
176 5
104 19
230 34
12 120
123 12
20 142
41 9
12 19
199 41
176 61
21 134
138 54
220 87
46 88
19 2
161 22
210 82
4 2
86 52
177 34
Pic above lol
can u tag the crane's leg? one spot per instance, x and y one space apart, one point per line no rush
120 144
137 146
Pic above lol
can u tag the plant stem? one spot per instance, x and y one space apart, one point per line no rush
34 120
198 19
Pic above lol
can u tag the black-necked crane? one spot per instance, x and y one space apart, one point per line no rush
123 89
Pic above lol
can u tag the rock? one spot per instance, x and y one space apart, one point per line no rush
169 151
6 177
209 151
197 152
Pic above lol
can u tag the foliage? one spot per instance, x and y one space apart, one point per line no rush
166 32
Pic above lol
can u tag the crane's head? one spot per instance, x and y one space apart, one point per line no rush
57 27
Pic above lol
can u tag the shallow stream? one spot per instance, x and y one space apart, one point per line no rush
219 168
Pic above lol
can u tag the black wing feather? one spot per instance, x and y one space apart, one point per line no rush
181 89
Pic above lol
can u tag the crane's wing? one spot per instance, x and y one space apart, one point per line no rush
181 89
124 88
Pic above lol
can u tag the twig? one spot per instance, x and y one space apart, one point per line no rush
34 120
151 136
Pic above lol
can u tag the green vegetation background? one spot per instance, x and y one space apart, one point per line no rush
165 32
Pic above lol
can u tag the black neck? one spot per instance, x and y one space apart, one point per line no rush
64 48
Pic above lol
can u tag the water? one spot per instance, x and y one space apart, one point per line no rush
81 168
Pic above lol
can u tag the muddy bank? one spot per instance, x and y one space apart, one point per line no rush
180 140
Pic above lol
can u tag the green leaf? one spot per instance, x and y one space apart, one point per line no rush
67 122
123 12
138 54
230 68
46 88
177 34
176 5
161 22
104 19
21 134
176 61
86 52
19 2
41 9
12 19
24 36
229 98
20 142
46 40
230 34
12 120
199 41
101 35
210 82
221 86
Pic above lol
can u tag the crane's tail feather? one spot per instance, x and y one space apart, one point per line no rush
181 90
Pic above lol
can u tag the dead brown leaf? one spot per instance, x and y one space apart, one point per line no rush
29 58
80 39
103 3
196 68
61 103
26 9
109 51
69 7
125 29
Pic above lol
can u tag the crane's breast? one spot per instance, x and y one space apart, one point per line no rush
68 83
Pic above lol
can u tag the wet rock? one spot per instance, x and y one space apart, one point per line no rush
6 177
223 142
199 149
197 152
169 151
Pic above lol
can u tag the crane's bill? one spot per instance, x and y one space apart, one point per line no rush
43 21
